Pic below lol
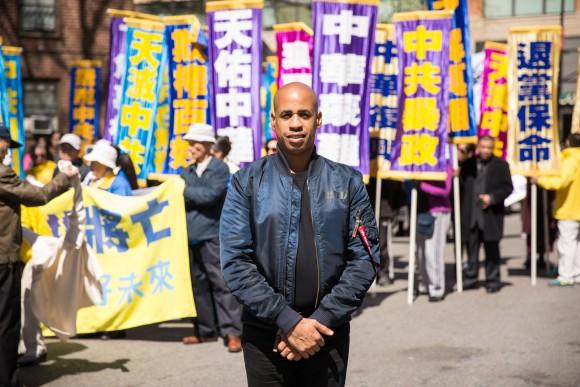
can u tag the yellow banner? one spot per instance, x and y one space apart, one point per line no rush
534 62
141 245
576 114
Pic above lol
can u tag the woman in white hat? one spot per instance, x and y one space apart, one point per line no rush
105 173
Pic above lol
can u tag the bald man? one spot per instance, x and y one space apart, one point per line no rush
295 253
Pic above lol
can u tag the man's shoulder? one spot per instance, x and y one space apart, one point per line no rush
6 172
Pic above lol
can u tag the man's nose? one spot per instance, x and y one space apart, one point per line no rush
295 123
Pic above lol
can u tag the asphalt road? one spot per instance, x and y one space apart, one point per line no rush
521 336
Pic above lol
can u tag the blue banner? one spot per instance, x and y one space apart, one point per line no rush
13 71
269 88
160 142
141 86
84 101
4 115
462 123
188 85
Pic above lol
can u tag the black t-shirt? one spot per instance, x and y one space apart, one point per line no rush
306 256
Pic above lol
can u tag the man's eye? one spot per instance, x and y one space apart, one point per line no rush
304 114
285 115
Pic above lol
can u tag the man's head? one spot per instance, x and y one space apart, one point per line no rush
222 147
201 138
485 147
271 146
6 142
574 140
295 118
69 147
465 151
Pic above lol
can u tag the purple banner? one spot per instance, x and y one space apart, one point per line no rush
423 89
294 50
117 61
235 54
344 36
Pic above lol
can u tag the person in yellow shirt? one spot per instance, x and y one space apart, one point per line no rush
567 211
43 168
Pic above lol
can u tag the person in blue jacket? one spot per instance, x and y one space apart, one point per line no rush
299 250
106 173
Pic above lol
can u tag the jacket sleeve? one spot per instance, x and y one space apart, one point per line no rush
19 191
210 193
504 186
348 294
438 189
557 182
240 272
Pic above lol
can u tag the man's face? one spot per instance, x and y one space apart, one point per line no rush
295 120
198 151
4 145
67 152
485 148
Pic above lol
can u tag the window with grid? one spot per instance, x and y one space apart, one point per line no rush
38 15
40 98
506 8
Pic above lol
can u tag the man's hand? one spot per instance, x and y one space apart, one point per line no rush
534 177
456 172
71 171
306 337
285 350
485 200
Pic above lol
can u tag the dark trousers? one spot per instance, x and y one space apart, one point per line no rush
218 312
10 276
492 260
265 368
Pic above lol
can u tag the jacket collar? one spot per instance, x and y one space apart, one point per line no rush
281 163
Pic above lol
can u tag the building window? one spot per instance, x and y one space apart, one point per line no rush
40 106
38 15
507 8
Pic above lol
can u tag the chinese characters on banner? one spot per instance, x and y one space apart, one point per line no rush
533 143
462 124
13 72
269 88
141 85
140 242
294 50
576 113
423 87
343 52
188 85
494 97
383 103
235 53
4 114
160 141
84 102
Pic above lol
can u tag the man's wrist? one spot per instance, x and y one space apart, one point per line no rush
287 319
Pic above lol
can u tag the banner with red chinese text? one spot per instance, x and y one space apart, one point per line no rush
462 122
84 101
344 33
235 57
294 44
494 94
419 149
383 102
534 62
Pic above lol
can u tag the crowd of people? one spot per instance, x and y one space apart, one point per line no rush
285 249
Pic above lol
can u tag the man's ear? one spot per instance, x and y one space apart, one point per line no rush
318 119
273 121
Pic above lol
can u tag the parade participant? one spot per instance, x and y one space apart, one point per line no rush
205 189
485 182
567 211
295 252
221 149
271 146
13 194
68 149
43 167
105 172
53 153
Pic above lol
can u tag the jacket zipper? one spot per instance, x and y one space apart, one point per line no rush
315 250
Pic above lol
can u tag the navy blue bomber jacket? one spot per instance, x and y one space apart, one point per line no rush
259 239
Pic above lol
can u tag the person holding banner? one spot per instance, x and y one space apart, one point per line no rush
567 212
68 150
299 249
485 181
205 189
105 172
14 193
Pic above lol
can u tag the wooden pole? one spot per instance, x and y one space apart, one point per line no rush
546 226
534 231
457 223
378 194
412 242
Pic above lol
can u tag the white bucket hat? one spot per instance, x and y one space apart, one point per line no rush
71 139
201 133
104 153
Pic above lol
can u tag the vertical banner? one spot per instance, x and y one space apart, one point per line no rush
4 114
423 87
494 97
294 42
141 85
84 101
160 142
235 53
188 85
462 122
343 52
533 144
576 114
383 103
13 71
269 88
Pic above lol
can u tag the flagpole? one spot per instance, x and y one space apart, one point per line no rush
534 243
378 195
457 224
412 243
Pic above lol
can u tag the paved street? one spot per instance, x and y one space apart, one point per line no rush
522 336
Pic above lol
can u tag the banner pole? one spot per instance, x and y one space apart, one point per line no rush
412 242
457 224
378 194
534 220
546 226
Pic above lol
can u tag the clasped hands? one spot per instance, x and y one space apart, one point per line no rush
303 341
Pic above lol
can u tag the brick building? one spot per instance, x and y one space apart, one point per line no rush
53 34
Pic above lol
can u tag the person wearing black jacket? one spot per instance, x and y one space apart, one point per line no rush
485 183
205 189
